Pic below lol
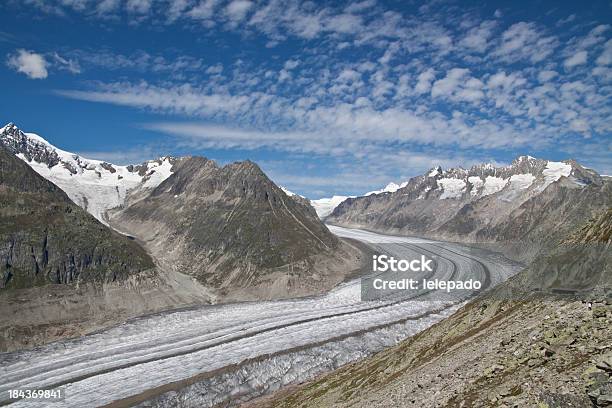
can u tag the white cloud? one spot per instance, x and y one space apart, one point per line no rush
290 64
594 37
424 81
578 58
203 11
177 8
215 69
138 6
344 23
566 20
69 65
29 63
238 9
360 6
524 41
606 56
477 39
447 85
579 125
107 6
546 75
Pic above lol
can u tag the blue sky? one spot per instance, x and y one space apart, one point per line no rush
328 97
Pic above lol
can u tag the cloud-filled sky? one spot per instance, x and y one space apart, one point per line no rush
328 97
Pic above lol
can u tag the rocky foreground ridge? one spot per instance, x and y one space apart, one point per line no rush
516 346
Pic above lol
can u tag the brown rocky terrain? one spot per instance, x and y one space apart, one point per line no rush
235 231
517 346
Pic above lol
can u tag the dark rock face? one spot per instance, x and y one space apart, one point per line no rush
17 142
208 220
45 238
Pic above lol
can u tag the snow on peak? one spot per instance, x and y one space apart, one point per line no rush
325 206
95 185
389 188
435 171
7 126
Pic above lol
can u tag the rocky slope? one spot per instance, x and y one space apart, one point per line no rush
63 273
518 346
231 227
519 205
46 238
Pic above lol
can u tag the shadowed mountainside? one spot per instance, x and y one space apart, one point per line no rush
45 238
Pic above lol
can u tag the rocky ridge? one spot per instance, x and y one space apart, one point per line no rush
535 348
228 226
232 227
525 203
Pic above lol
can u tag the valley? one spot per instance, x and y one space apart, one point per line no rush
205 355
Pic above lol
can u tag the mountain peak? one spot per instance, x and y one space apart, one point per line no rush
434 171
8 126
10 129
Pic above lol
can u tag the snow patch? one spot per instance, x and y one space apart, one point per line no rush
423 193
493 185
157 173
521 181
325 206
476 183
555 170
289 193
452 188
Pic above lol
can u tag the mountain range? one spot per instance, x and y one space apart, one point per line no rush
523 203
229 227
116 241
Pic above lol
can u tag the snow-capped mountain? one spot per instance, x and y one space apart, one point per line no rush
526 198
95 185
389 188
227 226
325 206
